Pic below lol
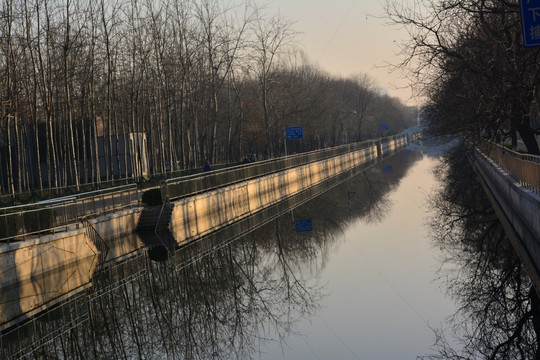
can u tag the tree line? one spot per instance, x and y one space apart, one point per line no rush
200 78
470 63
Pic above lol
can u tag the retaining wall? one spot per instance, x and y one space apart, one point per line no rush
201 214
519 210
37 271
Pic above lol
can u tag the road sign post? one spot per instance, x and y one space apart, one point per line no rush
530 22
293 132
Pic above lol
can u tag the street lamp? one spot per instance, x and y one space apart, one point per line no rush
344 137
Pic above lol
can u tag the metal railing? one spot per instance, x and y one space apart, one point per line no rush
189 185
176 188
46 193
524 168
98 241
62 214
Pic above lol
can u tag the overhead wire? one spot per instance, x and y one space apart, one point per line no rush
337 29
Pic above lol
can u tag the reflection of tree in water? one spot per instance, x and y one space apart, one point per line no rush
498 314
221 306
365 196
370 192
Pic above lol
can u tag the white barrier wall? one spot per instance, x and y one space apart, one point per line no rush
201 214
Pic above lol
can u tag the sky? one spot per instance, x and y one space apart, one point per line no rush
347 37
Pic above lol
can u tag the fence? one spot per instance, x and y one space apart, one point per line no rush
190 185
62 214
522 167
49 193
98 241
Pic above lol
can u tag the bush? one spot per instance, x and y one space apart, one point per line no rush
152 197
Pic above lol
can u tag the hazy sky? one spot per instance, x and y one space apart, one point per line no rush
346 37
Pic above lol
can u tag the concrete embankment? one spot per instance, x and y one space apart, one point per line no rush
517 207
198 215
40 272
37 271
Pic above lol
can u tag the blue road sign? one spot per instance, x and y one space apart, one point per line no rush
304 225
388 169
383 126
530 22
294 132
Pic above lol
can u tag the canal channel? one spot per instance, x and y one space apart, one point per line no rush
376 267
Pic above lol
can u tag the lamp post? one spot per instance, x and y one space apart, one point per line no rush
285 139
344 137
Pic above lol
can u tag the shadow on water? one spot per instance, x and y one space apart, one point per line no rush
498 314
218 297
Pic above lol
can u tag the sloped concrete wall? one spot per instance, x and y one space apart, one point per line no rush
40 270
201 214
36 272
520 209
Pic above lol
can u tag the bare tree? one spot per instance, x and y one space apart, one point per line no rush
470 54
273 37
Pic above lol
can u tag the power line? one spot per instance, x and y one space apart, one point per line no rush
337 29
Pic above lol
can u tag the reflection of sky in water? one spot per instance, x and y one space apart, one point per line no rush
380 279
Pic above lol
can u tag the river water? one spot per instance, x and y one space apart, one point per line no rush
381 297
397 262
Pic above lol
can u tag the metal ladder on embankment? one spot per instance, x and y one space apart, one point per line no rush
98 241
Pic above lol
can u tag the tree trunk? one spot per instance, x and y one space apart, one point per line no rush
35 92
529 139
11 185
69 105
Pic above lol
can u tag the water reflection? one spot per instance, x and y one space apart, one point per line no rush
219 297
499 314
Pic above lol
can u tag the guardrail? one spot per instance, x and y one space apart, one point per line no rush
98 241
524 168
46 193
62 214
176 188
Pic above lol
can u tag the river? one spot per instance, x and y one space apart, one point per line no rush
401 261
382 298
